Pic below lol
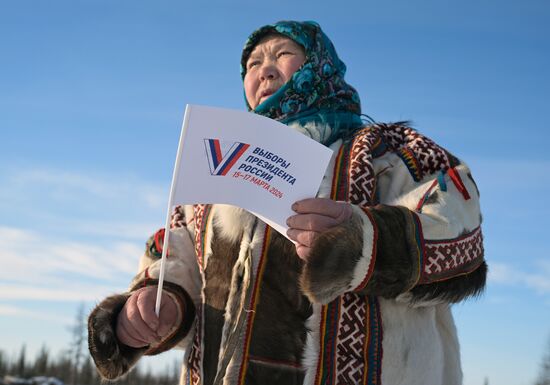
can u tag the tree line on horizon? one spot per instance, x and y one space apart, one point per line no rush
74 366
64 367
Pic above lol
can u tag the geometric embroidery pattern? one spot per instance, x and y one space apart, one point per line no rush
362 181
351 340
406 141
449 258
177 220
411 162
350 350
201 219
200 216
194 359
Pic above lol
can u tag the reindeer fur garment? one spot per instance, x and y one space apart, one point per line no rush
371 305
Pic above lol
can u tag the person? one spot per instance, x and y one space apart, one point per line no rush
362 295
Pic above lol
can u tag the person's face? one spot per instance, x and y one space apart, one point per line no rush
269 66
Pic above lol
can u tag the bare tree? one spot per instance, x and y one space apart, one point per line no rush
76 350
544 375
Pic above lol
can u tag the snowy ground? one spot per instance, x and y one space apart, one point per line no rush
41 380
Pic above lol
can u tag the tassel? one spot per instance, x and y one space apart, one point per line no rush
455 177
441 180
425 196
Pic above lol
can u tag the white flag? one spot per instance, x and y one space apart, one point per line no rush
246 160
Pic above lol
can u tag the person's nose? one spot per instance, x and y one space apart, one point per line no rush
268 71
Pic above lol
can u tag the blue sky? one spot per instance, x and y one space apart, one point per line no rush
92 95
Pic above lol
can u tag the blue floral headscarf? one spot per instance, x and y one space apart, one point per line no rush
316 98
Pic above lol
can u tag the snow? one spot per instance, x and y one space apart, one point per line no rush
41 380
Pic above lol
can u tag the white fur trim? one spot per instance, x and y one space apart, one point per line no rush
364 264
144 262
407 298
420 345
310 358
231 221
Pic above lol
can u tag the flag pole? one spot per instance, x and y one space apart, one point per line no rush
169 210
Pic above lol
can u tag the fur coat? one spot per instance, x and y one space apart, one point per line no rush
371 305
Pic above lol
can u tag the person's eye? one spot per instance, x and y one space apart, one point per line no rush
253 63
283 53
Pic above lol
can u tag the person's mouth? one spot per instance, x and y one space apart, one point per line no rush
266 94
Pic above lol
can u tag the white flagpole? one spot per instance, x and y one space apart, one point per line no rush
170 208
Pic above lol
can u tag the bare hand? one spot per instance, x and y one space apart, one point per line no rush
138 325
315 215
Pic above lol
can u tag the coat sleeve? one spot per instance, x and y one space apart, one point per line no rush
423 245
182 283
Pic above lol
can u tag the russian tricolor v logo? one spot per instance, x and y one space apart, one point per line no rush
223 155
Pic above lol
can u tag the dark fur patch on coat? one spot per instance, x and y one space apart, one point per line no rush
453 160
454 289
474 182
260 373
396 265
279 331
112 358
432 198
329 270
